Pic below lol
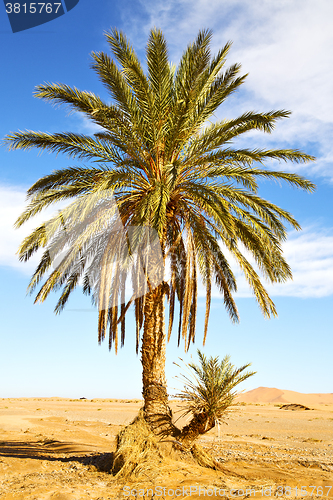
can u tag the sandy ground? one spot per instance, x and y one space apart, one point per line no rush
56 449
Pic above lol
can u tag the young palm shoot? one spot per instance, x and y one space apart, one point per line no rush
208 393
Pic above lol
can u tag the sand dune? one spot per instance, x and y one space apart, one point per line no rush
273 395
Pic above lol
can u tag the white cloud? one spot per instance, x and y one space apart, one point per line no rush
309 254
12 204
287 54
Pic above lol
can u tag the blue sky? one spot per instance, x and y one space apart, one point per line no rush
286 47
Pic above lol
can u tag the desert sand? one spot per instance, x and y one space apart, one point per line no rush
59 449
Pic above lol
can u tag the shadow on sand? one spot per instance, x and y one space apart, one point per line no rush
57 450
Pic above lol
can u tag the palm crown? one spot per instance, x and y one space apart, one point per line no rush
167 168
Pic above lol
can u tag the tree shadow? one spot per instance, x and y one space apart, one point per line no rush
57 451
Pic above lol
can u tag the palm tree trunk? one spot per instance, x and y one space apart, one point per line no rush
156 408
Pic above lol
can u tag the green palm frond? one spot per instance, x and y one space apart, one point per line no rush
74 145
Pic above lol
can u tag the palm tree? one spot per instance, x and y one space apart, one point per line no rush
159 163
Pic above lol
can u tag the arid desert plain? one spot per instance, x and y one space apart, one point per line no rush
59 449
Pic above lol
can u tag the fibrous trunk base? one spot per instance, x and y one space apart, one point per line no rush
137 450
141 451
